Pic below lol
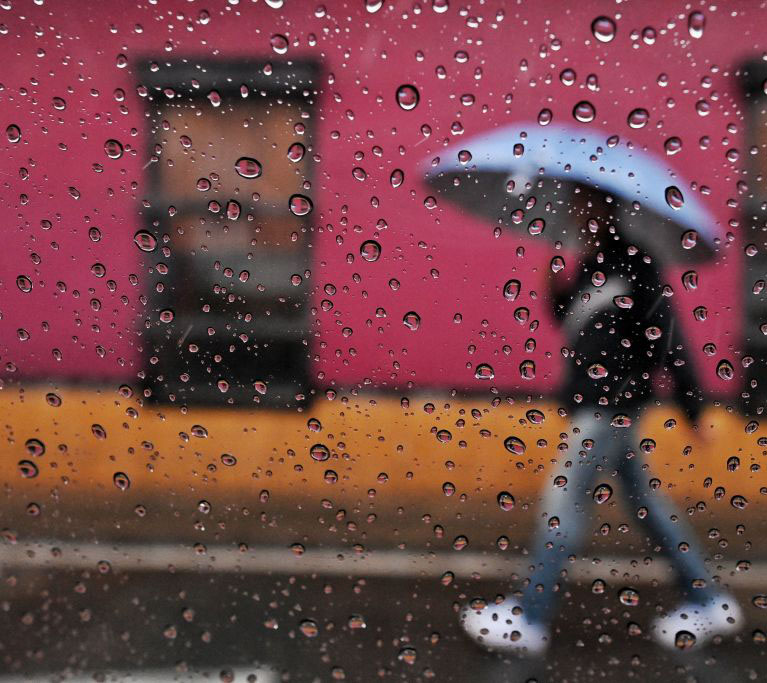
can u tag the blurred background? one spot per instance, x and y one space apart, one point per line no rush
248 427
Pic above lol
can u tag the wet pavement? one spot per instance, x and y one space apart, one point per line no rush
57 624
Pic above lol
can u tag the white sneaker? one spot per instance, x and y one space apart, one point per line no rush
502 627
695 624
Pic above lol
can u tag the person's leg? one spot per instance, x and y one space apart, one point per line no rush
568 511
666 527
707 610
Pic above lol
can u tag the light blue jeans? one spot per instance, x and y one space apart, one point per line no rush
574 507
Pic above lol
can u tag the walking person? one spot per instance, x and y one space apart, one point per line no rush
618 208
622 334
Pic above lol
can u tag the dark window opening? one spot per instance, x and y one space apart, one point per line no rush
227 316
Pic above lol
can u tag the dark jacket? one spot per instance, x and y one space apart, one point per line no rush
622 334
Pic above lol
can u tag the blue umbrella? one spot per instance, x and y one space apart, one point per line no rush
654 207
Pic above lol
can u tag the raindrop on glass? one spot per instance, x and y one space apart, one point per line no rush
505 501
300 205
412 320
603 29
602 493
370 251
407 97
511 289
248 167
145 241
514 445
584 111
674 197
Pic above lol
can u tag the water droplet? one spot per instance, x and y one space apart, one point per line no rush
59 103
674 197
684 640
199 432
603 29
672 146
464 156
145 241
536 226
412 320
94 234
484 371
545 117
14 133
597 371
309 628
689 239
99 270
628 597
505 501
514 445
166 315
557 264
113 149
624 302
598 586
370 251
300 205
296 152
511 289
584 112
725 370
228 459
527 369
233 210
567 77
460 542
397 177
248 167
35 448
24 283
690 280
314 425
98 431
279 43
444 436
696 22
535 416
121 481
53 400
638 118
319 452
407 97
560 481
27 469
621 421
602 493
700 313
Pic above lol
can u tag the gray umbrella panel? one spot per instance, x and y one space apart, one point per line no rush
651 205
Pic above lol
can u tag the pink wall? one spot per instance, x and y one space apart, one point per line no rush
70 50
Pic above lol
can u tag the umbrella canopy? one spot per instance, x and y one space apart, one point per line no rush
652 205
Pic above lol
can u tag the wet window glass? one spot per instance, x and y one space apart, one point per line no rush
382 340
